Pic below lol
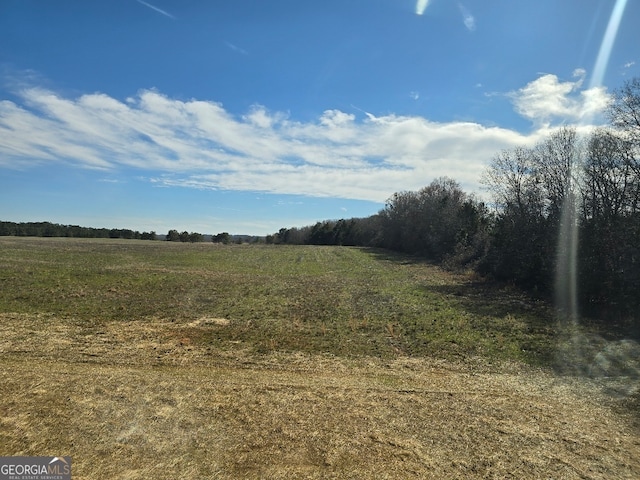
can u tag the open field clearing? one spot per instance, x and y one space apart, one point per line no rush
159 360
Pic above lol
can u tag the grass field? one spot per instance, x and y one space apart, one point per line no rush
164 360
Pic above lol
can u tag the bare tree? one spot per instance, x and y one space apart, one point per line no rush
611 184
512 182
624 112
556 163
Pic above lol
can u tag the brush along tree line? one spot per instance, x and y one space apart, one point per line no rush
515 237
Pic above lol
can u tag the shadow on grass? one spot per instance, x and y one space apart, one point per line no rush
501 314
587 349
525 321
603 350
396 257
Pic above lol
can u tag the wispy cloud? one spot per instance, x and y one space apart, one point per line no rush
629 64
467 18
199 144
159 10
235 48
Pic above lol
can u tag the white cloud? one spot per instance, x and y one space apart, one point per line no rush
259 117
547 98
336 118
467 18
199 144
580 74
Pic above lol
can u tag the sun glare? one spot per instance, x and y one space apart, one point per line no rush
607 43
421 6
567 267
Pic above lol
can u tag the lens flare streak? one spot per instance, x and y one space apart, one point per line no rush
606 46
421 6
567 262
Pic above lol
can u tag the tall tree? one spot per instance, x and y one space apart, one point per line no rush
223 237
520 250
173 236
624 111
512 182
556 163
430 222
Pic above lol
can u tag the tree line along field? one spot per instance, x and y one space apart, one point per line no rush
149 359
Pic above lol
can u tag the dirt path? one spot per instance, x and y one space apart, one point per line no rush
121 409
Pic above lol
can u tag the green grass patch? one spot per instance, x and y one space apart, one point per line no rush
334 300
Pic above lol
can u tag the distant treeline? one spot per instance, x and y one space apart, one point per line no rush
224 237
47 229
563 188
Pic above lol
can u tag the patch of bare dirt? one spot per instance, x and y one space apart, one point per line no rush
204 321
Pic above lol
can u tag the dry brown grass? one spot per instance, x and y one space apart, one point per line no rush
142 399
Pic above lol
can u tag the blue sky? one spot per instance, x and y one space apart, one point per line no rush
251 115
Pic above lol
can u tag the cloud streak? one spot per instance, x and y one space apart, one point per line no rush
199 144
467 18
235 48
159 10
